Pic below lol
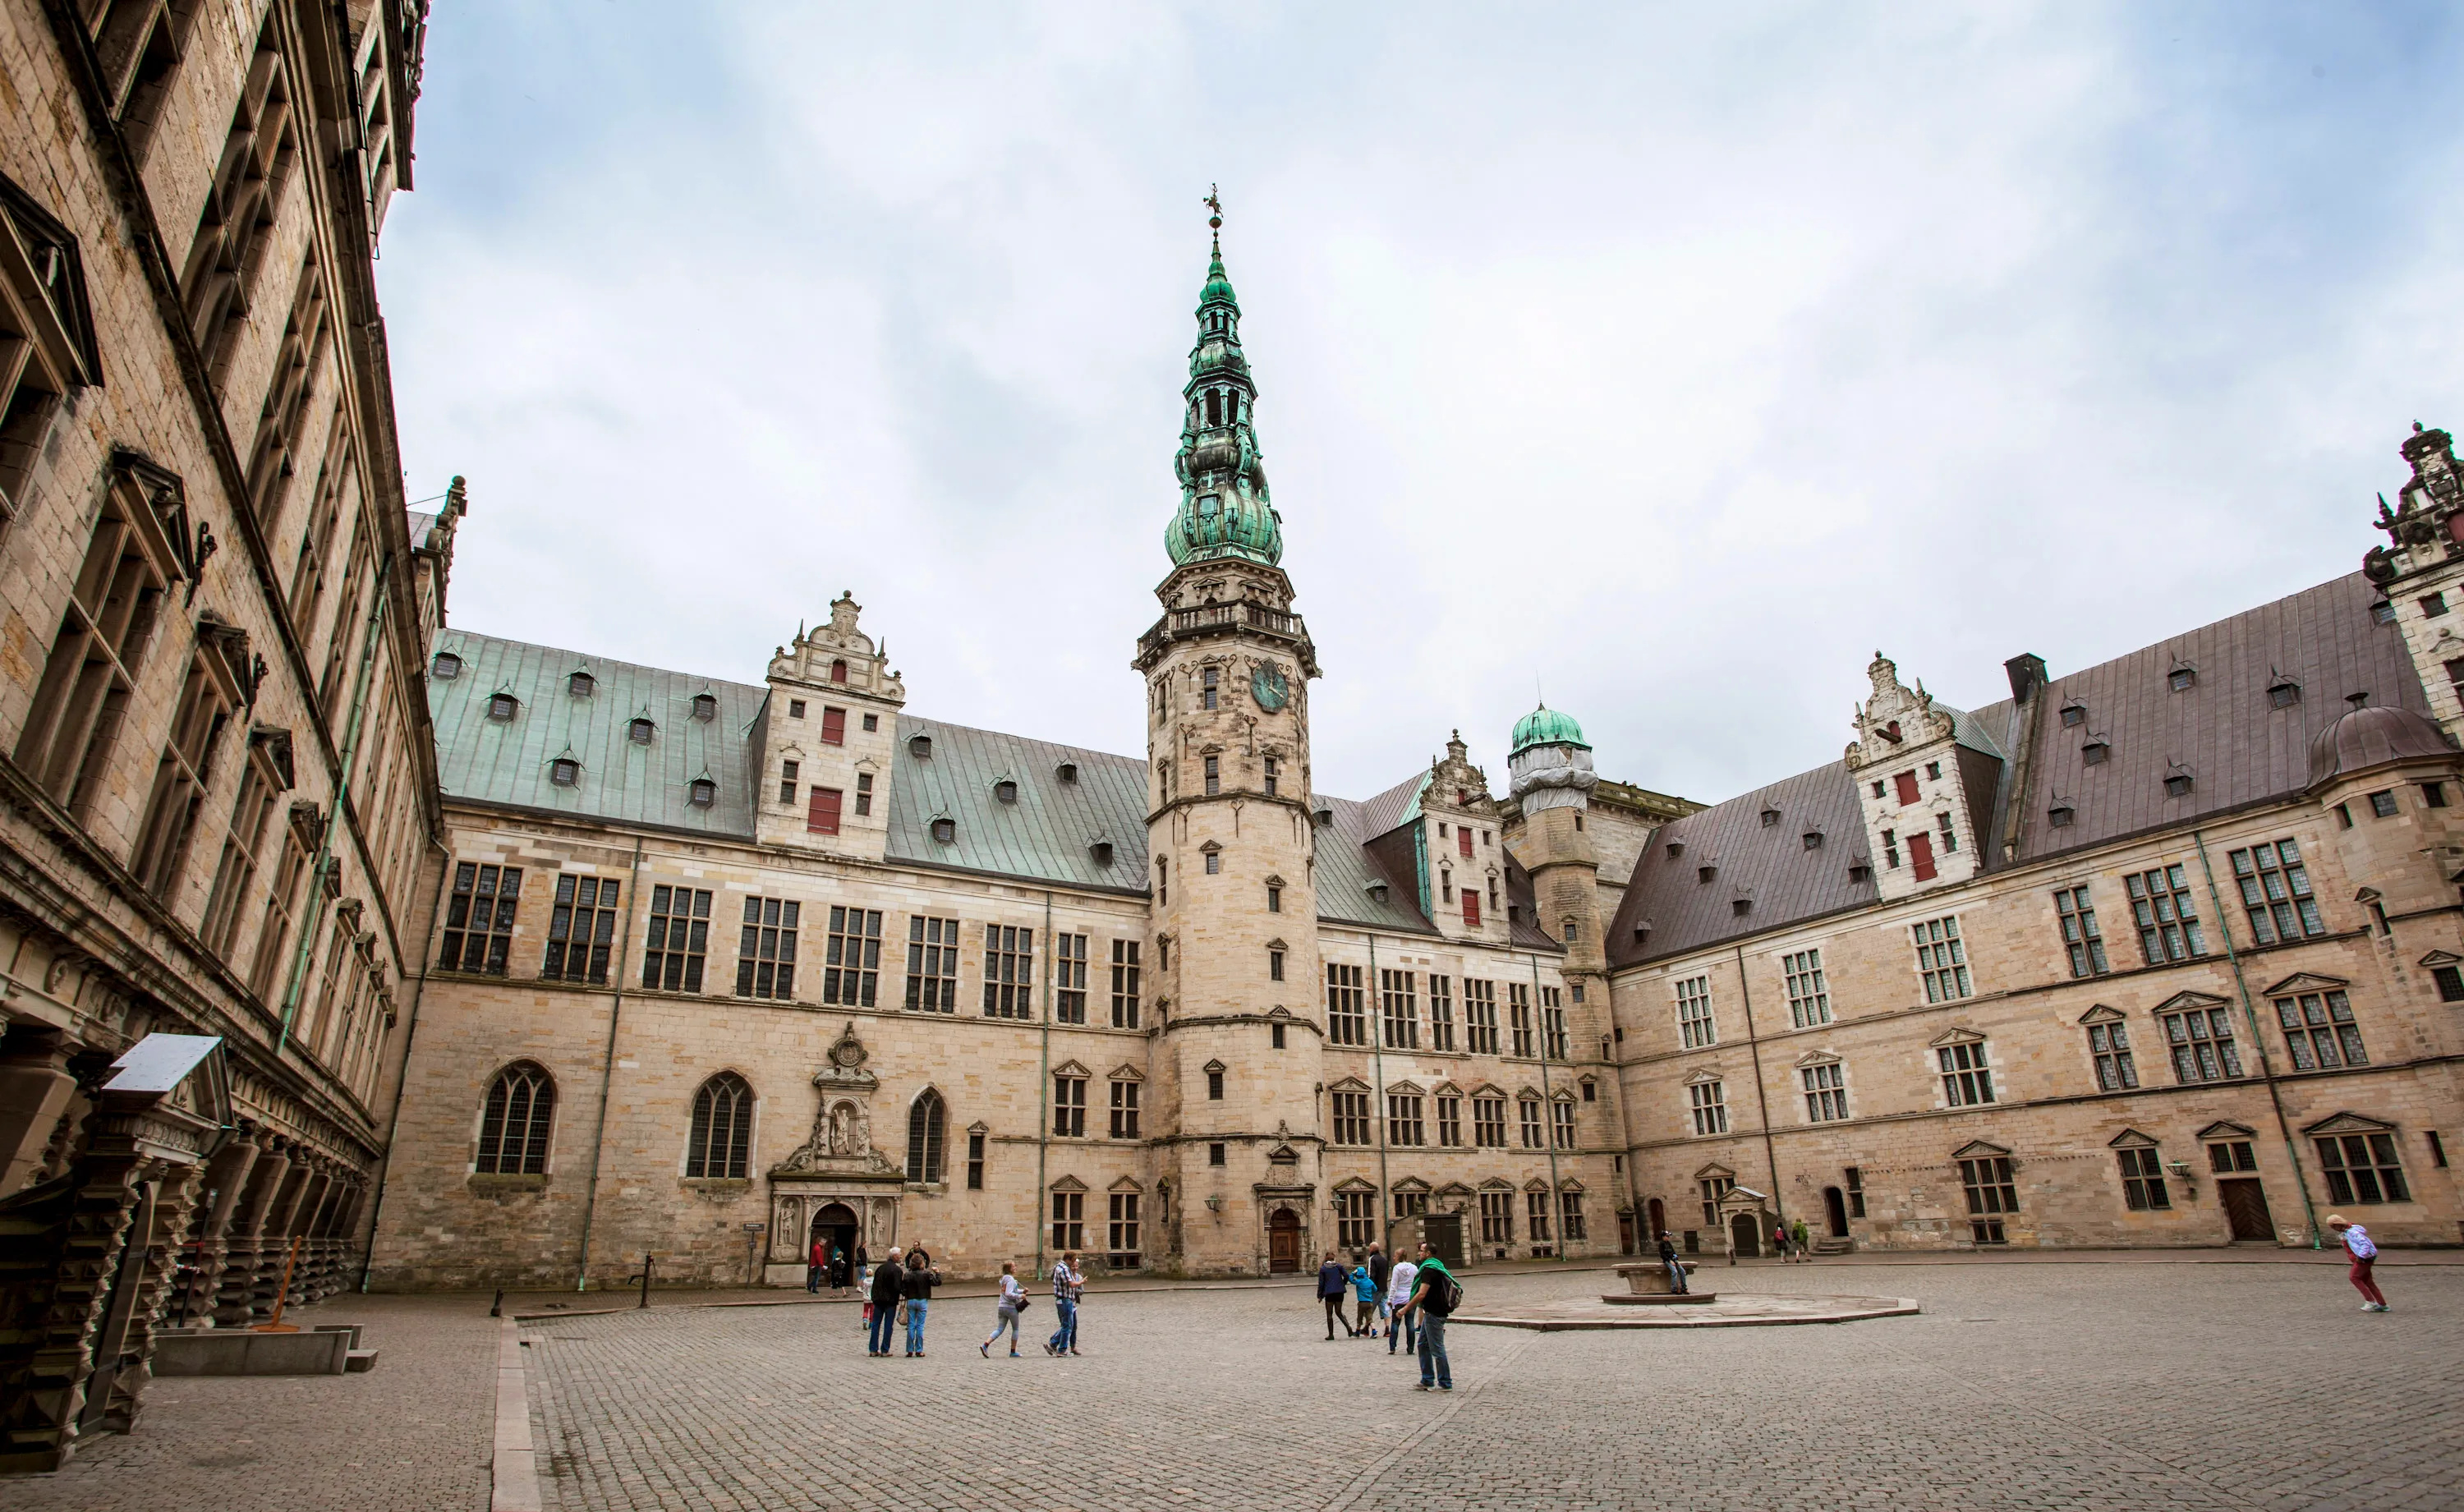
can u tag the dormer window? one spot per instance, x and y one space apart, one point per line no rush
1771 818
838 671
1101 851
945 831
1376 891
705 706
2060 816
920 747
2074 713
640 729
2284 695
1676 848
2095 753
582 685
1706 874
702 793
564 771
1741 907
1641 930
1813 840
1066 771
2177 784
2382 613
446 668
1860 872
1323 816
501 707
1005 790
2182 678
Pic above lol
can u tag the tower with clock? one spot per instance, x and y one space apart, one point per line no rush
1230 830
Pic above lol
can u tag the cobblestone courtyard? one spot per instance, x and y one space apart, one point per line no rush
2119 1385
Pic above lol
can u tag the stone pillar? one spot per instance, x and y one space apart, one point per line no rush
35 1085
273 1257
225 1182
236 1289
147 1290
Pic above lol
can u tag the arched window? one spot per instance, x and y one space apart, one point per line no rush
924 1120
722 1129
512 1135
838 671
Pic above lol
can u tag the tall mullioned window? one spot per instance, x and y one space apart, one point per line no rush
932 964
1809 995
515 1122
1518 1016
2320 1031
1709 1102
1069 978
1561 1123
1403 1126
1553 1024
1069 1106
1530 1109
1694 1026
1442 1012
2168 916
1942 959
851 968
1125 1110
1488 1122
1497 1217
1121 1231
581 931
1069 1221
1535 1216
1826 1093
161 858
1347 1021
1967 1080
721 1142
2201 1040
679 939
2276 893
1480 1017
1351 1118
1992 1194
1009 971
2081 938
479 918
1449 1121
766 956
1355 1218
1401 1012
1125 984
927 1119
2142 1180
2109 1047
2362 1168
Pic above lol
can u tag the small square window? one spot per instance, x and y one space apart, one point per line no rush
1933 771
1770 817
2095 753
2433 795
705 706
1005 790
1214 1154
1704 874
2382 804
501 707
582 685
446 666
2432 605
2182 677
641 731
2178 785
945 831
2061 816
873 721
795 708
1860 873
2382 613
1813 840
2284 695
564 771
2073 715
703 792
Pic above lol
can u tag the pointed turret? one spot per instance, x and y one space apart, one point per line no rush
1225 508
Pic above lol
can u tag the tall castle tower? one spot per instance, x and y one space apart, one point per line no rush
1228 828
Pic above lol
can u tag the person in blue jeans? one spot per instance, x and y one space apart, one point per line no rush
1364 1290
918 1280
889 1283
1068 1284
1428 1304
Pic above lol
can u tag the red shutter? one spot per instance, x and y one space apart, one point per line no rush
838 671
1471 907
822 817
1907 780
1463 835
834 730
1921 856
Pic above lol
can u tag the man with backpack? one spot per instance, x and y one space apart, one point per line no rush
1436 1294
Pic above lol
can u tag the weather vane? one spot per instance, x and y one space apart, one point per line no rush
1214 202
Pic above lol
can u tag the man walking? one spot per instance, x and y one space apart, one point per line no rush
2363 1253
1068 1284
1331 1284
917 1284
816 1261
1399 1299
1676 1266
889 1285
1432 1301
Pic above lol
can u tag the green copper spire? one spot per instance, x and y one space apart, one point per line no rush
1224 508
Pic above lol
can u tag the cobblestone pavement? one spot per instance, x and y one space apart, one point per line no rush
2112 1386
412 1435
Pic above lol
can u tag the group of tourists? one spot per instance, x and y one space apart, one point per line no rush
897 1290
1411 1296
1068 1287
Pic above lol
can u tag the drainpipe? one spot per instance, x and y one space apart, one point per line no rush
2258 1038
1762 1098
1549 1108
1044 1097
325 860
402 1084
608 1075
1377 1099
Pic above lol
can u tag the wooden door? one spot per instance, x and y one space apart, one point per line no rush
1835 1207
1625 1232
1283 1245
1746 1231
1659 1218
2245 1203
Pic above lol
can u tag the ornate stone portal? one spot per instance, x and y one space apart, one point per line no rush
838 1163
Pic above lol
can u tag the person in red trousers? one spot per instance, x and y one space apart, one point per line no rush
2357 1244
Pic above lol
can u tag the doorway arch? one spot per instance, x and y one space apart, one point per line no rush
1284 1242
836 1231
1746 1229
1659 1220
1835 1207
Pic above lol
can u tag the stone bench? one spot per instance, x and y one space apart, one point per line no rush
1648 1283
329 1351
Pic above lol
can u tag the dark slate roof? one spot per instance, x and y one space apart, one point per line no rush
480 761
1046 835
1345 867
1393 806
2237 748
1766 864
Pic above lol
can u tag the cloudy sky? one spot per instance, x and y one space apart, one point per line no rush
1668 359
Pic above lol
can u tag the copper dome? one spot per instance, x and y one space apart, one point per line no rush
2373 735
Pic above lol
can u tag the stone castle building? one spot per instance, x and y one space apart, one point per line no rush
218 798
482 962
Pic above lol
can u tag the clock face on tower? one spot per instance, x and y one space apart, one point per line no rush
1268 686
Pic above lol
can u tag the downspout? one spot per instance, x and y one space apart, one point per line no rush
2258 1039
1549 1108
1377 1101
1043 1096
402 1084
608 1073
1762 1098
324 863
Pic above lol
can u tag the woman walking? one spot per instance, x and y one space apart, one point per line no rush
1013 1300
1331 1284
2362 1252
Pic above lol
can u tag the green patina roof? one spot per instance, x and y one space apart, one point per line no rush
1226 508
1545 726
1218 283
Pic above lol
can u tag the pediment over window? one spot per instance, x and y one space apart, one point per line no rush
2367 895
1410 1184
1069 1184
1350 1083
1405 1088
1283 1155
1279 1011
1070 1068
1210 845
1715 1171
1562 1095
1275 881
2225 1129
1820 1057
1497 1184
1353 1184
1701 1078
1214 1068
1447 1089
2442 958
1569 1184
2184 1001
979 1126
1955 1035
2349 1124
2102 1013
2130 1139
1277 945
1977 1149
1529 1094
1535 1184
1125 1184
2307 982
1454 1188
1488 1089
1125 1072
